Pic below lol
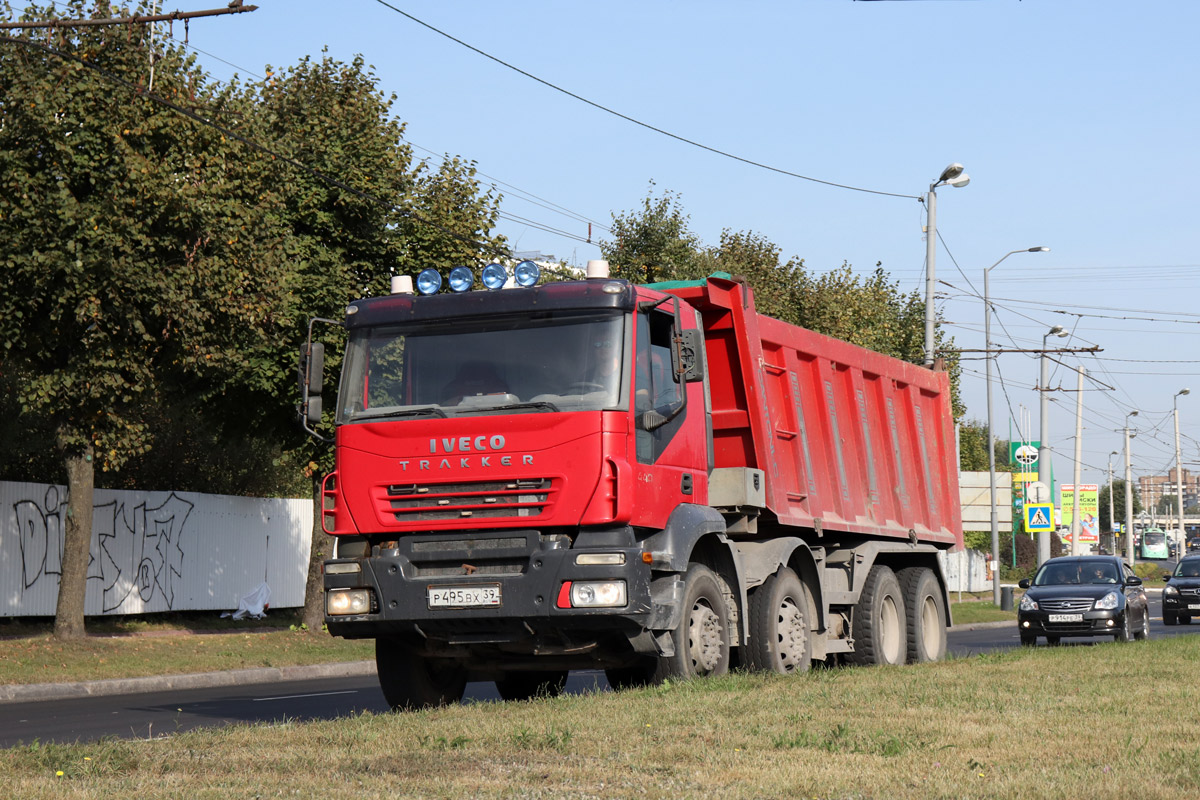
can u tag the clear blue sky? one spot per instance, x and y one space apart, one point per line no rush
1076 119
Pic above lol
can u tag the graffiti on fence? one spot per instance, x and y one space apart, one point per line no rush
135 549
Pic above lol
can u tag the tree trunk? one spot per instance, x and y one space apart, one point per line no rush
314 589
77 541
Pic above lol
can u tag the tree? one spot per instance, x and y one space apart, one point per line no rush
972 436
1117 491
126 253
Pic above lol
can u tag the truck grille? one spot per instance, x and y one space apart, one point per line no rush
412 502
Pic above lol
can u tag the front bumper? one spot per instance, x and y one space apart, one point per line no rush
1092 623
1182 605
527 567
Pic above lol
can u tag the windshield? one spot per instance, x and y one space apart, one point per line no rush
1188 569
1152 538
1076 572
568 361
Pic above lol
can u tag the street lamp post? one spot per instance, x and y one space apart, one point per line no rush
952 175
1112 523
991 447
1043 463
1129 492
1179 475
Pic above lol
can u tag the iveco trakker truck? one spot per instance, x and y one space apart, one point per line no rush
656 481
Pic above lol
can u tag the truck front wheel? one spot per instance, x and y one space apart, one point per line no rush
926 611
780 612
878 627
702 637
412 681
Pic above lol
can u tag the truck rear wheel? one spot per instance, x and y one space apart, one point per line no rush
926 611
780 612
702 636
412 681
527 685
878 628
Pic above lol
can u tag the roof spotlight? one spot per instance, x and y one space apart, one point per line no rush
494 276
461 279
527 273
429 281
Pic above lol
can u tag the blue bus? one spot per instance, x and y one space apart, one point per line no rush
1154 544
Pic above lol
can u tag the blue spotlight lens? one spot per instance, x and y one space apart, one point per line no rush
429 281
527 273
494 276
461 279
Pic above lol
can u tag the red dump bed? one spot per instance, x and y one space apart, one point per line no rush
850 440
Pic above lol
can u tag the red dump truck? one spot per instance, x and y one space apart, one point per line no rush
656 481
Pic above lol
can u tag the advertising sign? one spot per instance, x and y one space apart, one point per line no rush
1089 508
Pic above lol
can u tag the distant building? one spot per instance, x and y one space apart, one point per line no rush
1153 488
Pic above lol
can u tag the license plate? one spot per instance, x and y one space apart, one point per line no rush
1193 606
1066 617
483 595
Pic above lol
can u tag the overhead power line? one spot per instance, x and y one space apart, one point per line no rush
638 122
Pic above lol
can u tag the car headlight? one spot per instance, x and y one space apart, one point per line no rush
341 602
1169 589
1028 603
597 594
1108 602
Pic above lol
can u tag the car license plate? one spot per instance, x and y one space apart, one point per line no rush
1066 617
1193 606
482 595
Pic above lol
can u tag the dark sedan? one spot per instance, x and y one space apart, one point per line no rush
1083 596
1181 595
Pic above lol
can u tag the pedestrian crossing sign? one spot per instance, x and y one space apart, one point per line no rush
1039 517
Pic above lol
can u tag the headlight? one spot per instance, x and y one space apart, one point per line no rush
1109 601
342 602
1028 603
597 594
1169 589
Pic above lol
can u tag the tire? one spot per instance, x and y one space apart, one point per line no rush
1125 632
1143 633
780 625
925 609
412 681
701 639
1028 640
1184 619
1170 619
632 677
527 685
878 627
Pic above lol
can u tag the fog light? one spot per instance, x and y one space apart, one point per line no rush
1110 622
1025 624
597 594
347 601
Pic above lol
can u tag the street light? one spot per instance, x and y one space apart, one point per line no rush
952 175
1179 474
1112 523
1044 475
991 448
1129 492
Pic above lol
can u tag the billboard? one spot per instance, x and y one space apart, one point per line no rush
1089 508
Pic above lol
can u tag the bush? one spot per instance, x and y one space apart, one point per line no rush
1149 572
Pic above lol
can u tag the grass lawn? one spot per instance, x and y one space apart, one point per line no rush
1064 722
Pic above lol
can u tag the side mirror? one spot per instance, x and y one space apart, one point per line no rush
312 369
1133 580
1024 583
313 409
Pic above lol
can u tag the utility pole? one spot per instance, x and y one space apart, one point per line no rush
1076 527
1129 556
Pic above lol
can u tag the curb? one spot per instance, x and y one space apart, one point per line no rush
19 693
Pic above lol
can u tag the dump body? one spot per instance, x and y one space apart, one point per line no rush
849 440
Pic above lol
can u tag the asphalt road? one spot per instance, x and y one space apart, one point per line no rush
149 714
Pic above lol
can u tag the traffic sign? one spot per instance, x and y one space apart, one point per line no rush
1038 492
1039 517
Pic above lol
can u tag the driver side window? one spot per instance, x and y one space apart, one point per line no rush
655 387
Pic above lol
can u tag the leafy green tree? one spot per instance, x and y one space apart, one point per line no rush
127 257
655 244
972 448
1117 490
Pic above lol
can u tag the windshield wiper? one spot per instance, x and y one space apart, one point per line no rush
399 413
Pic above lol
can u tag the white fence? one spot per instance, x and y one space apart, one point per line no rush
966 571
153 551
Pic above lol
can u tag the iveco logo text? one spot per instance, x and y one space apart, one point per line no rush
467 444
